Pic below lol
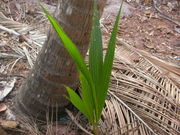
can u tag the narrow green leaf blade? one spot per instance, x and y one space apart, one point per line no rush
96 56
78 103
87 95
108 61
95 53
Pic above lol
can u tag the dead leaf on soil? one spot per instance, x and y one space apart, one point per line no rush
143 19
8 124
6 88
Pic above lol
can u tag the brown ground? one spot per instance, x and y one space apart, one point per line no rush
146 30
141 26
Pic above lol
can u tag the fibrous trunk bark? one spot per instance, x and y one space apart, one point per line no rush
44 91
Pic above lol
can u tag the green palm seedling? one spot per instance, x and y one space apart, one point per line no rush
94 81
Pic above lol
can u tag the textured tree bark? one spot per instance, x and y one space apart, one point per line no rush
44 88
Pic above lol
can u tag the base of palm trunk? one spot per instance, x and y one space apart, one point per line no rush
43 114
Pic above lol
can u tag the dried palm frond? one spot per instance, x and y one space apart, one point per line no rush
13 25
146 90
33 36
169 69
119 119
27 36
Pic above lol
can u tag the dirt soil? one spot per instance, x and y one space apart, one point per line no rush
141 26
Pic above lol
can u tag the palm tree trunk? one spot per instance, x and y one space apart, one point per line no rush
44 88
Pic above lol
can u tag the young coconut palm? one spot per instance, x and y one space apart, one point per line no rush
95 79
